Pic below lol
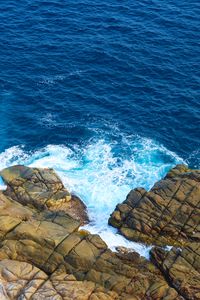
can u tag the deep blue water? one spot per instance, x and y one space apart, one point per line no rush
106 92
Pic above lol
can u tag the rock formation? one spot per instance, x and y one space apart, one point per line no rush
169 214
42 189
181 267
44 254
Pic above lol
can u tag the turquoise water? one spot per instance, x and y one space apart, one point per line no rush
101 174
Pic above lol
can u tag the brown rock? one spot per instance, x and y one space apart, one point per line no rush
42 188
44 255
182 269
169 214
19 280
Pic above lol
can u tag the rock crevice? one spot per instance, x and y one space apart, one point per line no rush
169 214
44 255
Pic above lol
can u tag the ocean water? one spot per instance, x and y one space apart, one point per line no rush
105 92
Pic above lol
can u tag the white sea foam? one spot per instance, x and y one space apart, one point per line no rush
48 120
101 175
53 79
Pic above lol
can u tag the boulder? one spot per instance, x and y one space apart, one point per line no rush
42 189
168 214
44 254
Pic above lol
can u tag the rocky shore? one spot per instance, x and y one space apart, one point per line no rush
167 215
44 254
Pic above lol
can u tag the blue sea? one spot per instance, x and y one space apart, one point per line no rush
105 92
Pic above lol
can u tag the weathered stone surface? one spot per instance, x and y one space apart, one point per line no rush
21 280
41 188
44 255
169 214
94 266
182 268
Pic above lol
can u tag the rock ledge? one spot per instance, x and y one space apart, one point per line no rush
44 255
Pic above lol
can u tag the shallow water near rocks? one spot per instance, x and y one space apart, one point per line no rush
102 173
105 92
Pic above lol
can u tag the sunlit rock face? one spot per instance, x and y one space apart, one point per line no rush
42 189
44 254
168 214
101 172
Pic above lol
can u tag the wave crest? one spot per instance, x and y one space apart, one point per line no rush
101 173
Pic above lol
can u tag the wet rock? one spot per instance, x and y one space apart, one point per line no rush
44 255
42 189
168 214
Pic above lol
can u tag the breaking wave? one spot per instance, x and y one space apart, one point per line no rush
101 173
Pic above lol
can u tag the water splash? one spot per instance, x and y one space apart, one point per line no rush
101 173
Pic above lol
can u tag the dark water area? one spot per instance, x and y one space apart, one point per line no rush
105 92
75 70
